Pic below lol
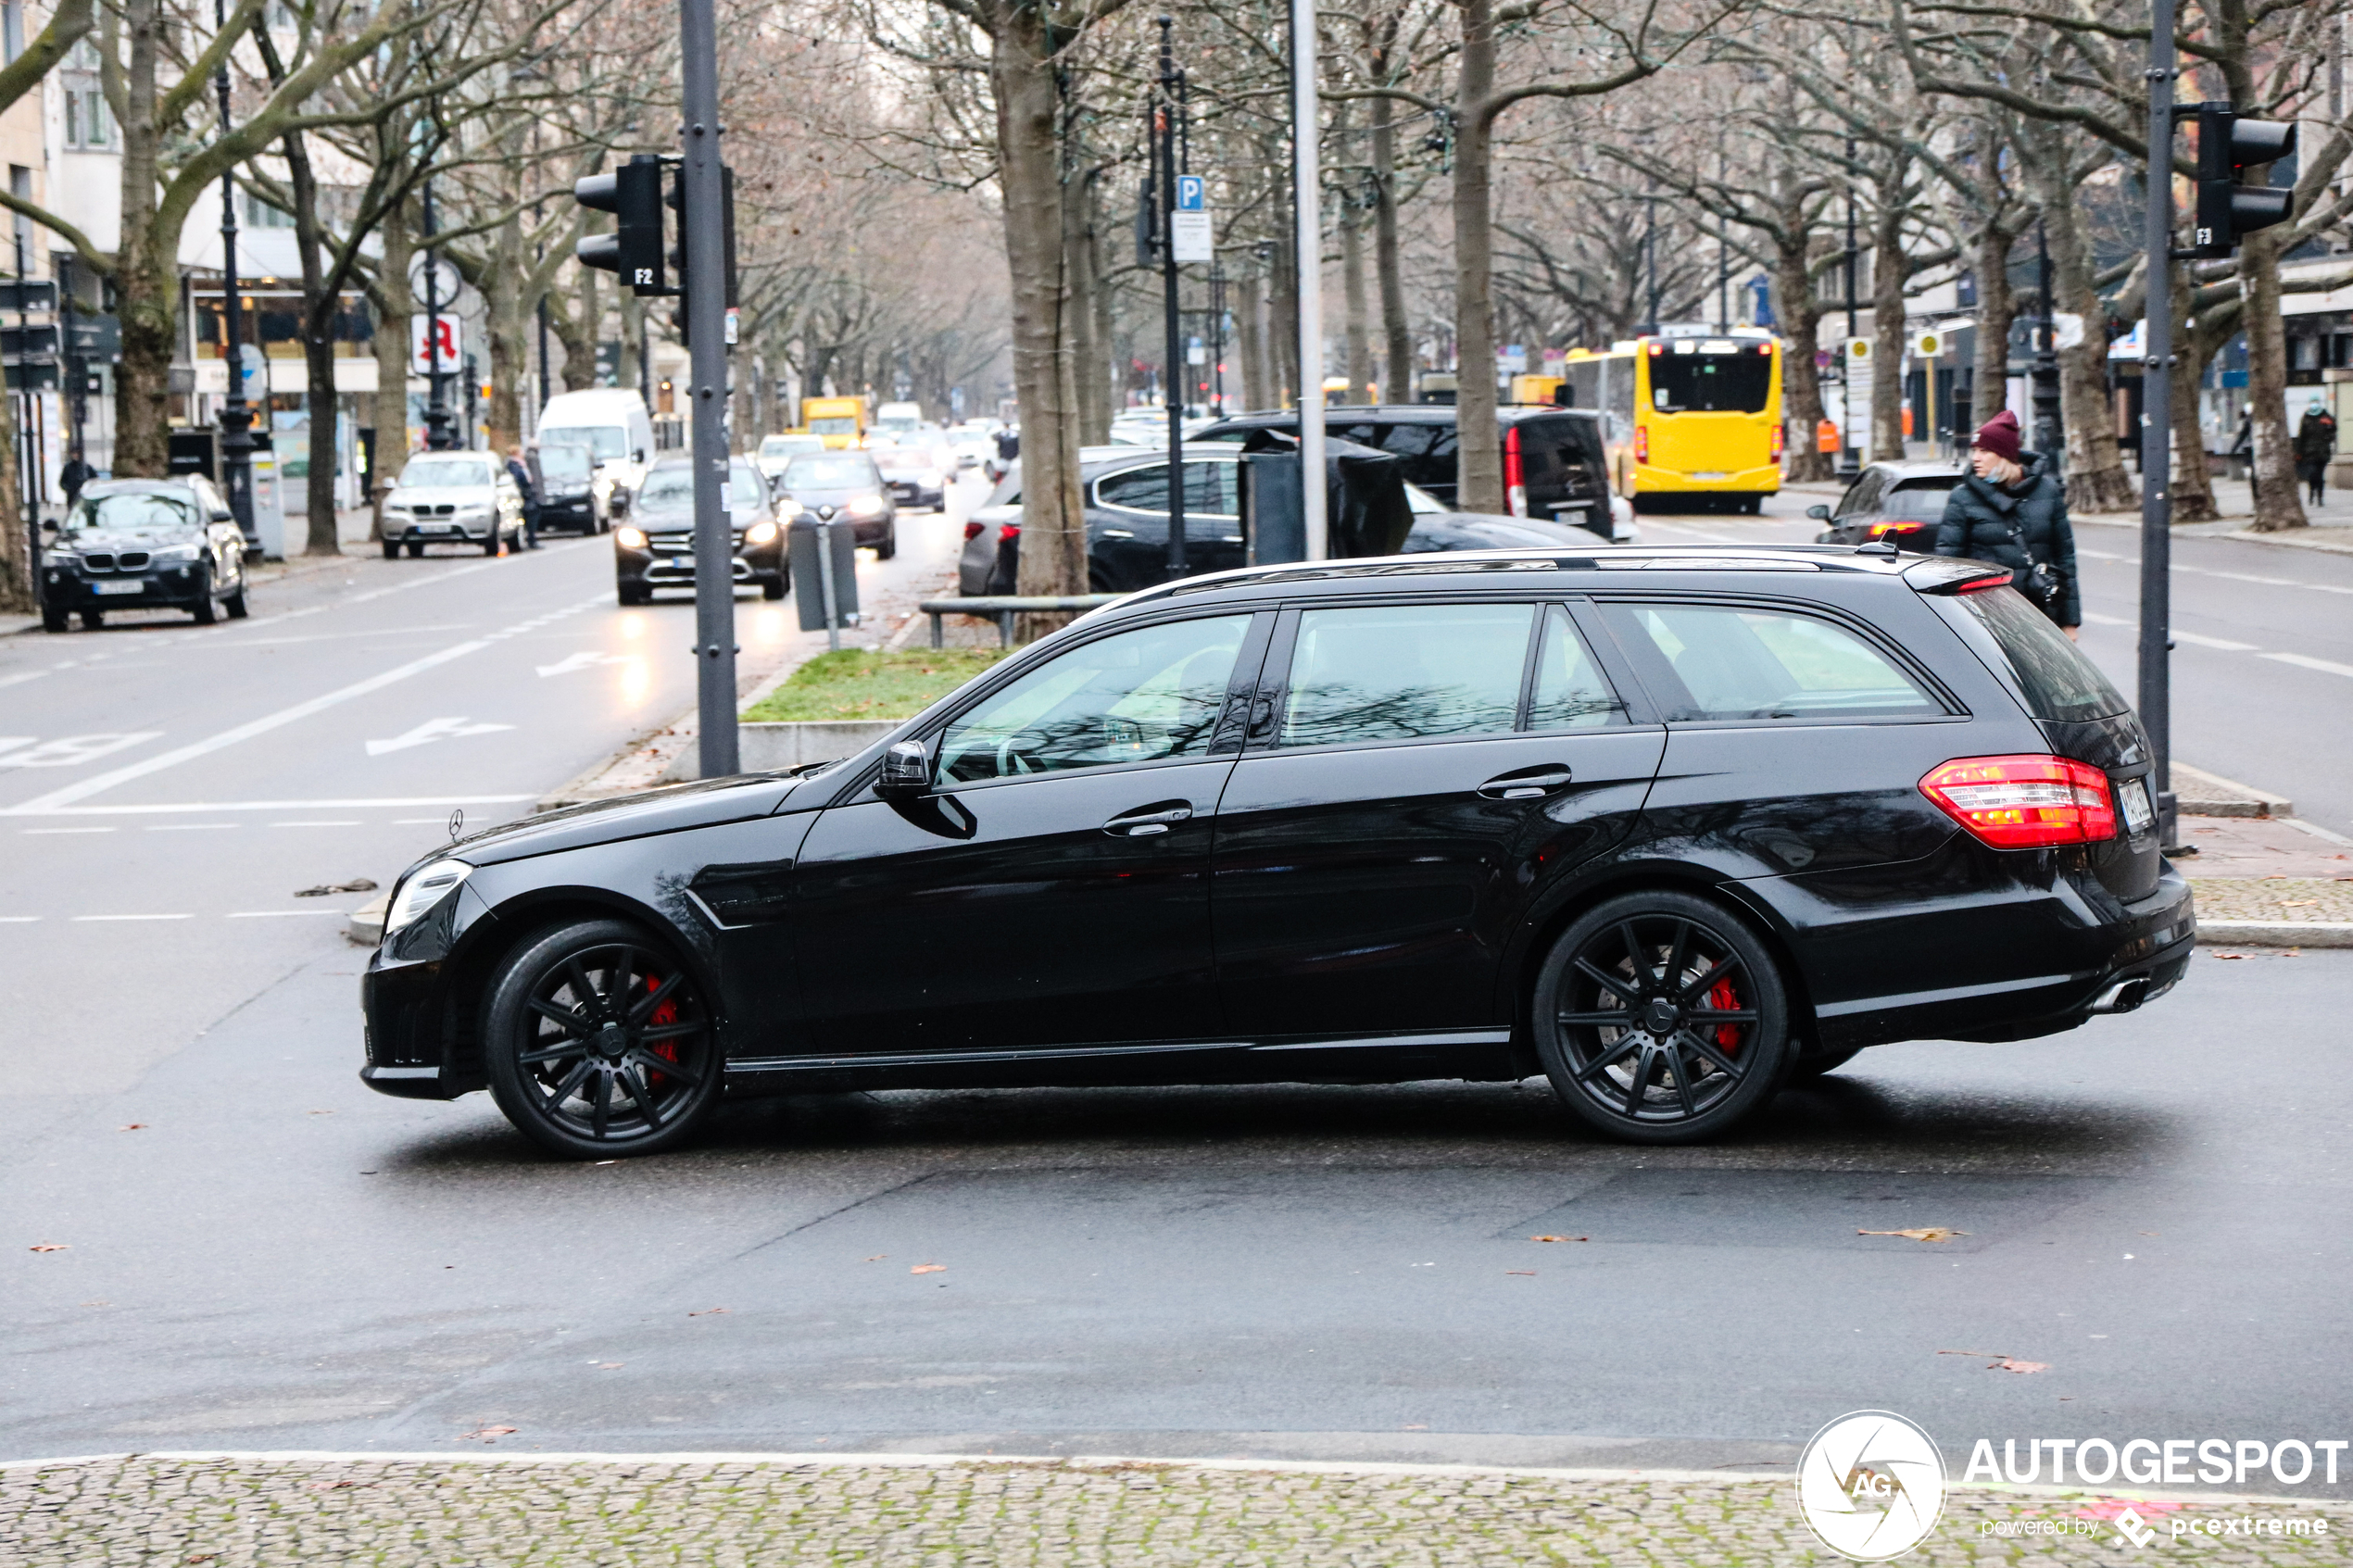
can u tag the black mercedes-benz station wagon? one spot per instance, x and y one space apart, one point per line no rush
1672 827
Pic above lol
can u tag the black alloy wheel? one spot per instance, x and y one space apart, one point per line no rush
1661 1018
236 603
204 609
598 1044
773 588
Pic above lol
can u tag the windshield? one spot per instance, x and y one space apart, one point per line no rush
116 514
607 442
565 462
783 445
835 470
437 468
667 489
1710 383
845 424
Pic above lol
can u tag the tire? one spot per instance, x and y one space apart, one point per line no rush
630 598
392 549
53 620
1688 1063
93 619
638 1072
235 604
416 549
773 589
889 545
204 609
490 546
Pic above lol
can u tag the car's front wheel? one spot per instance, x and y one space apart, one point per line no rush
598 1043
1661 1018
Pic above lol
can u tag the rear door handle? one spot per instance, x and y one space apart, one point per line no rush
1527 783
1150 819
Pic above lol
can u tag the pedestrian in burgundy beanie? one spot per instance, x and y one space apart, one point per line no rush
2012 511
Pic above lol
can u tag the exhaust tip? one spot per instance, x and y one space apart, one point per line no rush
2124 996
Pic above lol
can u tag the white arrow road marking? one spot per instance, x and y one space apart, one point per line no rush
66 751
583 660
431 731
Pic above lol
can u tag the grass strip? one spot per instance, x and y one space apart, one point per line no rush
855 684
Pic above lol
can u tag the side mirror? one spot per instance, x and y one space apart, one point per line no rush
1819 512
637 455
48 525
906 772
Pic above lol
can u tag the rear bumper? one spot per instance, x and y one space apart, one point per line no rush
1651 480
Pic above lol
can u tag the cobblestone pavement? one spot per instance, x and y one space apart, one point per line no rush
242 1512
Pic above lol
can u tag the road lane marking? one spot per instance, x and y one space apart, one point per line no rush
381 803
68 750
20 919
281 914
2223 644
30 832
178 827
82 918
2093 618
433 730
2304 661
20 680
351 822
583 660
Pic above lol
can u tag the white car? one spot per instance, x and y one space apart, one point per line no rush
452 498
775 451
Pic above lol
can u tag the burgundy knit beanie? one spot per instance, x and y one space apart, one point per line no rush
1999 436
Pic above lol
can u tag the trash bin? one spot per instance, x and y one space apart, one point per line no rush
1366 512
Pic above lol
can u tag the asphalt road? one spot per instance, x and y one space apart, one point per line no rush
2263 647
258 1253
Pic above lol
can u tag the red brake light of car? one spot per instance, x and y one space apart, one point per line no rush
972 530
2029 802
1981 585
1009 530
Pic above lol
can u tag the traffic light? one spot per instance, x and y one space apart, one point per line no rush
676 201
2228 212
632 192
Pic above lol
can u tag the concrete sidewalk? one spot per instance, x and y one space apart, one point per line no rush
435 1511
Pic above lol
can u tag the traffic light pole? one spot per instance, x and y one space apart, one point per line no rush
2157 424
705 283
1173 384
1307 195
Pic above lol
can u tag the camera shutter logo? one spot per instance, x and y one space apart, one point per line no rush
1871 1486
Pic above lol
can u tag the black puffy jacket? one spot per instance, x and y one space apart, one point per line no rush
2017 528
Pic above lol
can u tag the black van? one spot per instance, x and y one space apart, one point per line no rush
1554 466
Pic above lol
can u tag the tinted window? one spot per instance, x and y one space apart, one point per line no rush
1764 664
1570 693
2058 683
1134 698
1560 456
747 489
564 463
149 512
1921 500
668 490
1690 384
1405 672
606 440
832 470
1210 490
1861 493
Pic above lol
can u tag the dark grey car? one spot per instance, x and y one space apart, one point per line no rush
1901 503
142 544
821 487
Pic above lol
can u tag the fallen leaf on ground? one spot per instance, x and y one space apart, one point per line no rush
1926 1232
485 1434
51 1247
2007 1364
1529 1272
877 1257
322 1113
706 1311
131 1127
1560 1238
2226 957
928 1269
328 1486
357 884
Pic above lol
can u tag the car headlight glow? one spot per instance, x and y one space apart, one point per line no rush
867 506
759 534
630 538
176 553
421 890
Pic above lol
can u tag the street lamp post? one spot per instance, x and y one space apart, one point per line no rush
1173 384
1307 188
1850 457
2156 425
437 436
236 418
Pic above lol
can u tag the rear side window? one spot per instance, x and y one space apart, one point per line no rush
2057 681
1570 693
1405 672
1727 662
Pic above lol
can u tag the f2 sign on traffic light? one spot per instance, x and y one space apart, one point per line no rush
632 192
2227 146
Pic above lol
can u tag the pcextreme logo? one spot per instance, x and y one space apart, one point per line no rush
1871 1486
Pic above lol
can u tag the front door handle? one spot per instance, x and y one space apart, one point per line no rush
1147 821
1527 783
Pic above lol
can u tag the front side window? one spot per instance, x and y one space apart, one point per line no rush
1721 662
1405 672
1137 697
1210 490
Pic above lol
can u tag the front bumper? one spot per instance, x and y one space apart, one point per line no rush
68 587
675 568
408 532
408 1016
576 512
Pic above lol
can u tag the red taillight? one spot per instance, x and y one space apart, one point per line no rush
1658 349
1642 444
2025 802
1009 530
1514 478
1778 438
1979 584
972 531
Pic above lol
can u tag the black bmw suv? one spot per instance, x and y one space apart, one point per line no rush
1672 827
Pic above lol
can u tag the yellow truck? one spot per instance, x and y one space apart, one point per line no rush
841 420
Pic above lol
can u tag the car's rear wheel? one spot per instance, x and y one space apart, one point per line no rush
598 1043
1661 1018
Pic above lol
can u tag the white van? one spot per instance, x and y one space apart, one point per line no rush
612 423
900 422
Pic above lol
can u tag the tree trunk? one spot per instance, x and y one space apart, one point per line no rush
1801 326
1053 526
1249 335
1356 326
1090 365
146 279
2279 499
19 595
627 373
1996 309
1397 331
2095 477
317 354
1887 330
1479 442
1282 323
2193 480
508 323
580 333
393 309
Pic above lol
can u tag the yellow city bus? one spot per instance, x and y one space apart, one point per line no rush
1687 417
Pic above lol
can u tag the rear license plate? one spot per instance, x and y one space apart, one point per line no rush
127 588
1711 476
2140 813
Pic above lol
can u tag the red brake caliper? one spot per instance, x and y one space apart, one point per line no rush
666 1013
1723 996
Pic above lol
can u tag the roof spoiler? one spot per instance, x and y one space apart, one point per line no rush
1946 574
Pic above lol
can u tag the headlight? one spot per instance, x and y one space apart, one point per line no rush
630 538
788 505
421 890
867 506
176 553
759 534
